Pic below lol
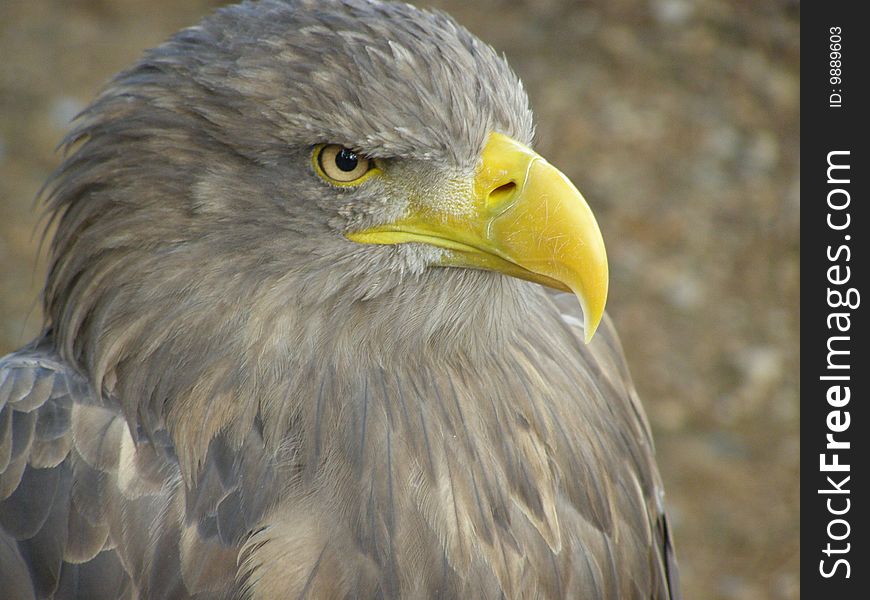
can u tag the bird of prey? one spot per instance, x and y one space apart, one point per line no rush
300 340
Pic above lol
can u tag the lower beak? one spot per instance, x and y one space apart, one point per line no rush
527 220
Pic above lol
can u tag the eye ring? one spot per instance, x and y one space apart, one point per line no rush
342 166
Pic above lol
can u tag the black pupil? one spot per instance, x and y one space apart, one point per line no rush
346 160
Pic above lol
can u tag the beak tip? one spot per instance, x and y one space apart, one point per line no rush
593 312
590 326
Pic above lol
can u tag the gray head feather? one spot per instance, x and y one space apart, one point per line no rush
193 233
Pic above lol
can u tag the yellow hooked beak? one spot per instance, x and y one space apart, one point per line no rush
525 219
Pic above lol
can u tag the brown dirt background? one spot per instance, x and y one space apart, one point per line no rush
679 121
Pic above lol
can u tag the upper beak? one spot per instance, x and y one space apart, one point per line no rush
526 220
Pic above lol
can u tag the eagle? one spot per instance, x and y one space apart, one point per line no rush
319 324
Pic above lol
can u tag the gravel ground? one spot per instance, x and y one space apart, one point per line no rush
679 121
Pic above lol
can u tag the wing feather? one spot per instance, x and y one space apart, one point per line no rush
87 512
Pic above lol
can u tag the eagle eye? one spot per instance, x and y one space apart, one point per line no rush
340 165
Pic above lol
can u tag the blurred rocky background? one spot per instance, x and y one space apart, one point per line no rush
679 121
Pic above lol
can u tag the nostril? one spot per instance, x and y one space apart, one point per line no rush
501 193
